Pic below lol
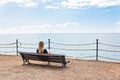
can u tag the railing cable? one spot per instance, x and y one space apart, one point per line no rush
28 47
72 44
8 44
8 47
73 49
108 50
109 45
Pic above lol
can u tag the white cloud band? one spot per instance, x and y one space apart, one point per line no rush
117 23
46 28
85 3
65 3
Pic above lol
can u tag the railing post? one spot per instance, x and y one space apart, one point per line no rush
96 49
49 44
17 46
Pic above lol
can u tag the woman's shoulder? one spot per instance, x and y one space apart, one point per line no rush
45 51
37 51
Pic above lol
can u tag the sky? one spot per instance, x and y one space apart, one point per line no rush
59 16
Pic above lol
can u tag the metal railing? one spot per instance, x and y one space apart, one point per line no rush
21 45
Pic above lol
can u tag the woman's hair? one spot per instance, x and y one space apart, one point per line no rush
41 47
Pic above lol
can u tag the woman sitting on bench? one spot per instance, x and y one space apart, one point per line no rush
41 49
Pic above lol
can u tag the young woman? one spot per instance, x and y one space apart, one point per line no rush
41 48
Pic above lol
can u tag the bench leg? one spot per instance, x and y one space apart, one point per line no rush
25 61
28 61
48 63
63 65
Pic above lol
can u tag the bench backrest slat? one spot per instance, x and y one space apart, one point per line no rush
43 57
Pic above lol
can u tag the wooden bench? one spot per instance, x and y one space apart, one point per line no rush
26 56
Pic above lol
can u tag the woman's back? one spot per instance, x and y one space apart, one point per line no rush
44 51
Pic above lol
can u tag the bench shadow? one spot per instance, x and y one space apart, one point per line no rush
44 66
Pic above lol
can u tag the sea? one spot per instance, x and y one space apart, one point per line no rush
74 45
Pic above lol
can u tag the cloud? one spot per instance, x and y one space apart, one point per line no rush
117 23
29 4
68 27
52 7
46 28
71 4
117 26
26 3
90 3
44 1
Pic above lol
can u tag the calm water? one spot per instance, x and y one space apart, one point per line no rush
65 38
